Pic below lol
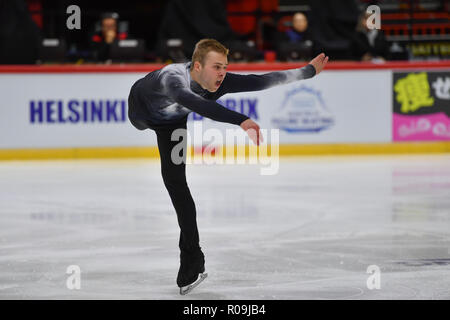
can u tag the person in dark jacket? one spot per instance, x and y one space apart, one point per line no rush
101 42
369 44
19 35
296 42
299 31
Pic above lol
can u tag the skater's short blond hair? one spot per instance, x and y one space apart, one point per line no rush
203 47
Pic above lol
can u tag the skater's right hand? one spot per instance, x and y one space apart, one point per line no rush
319 62
252 129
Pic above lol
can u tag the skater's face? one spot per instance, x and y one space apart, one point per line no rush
211 74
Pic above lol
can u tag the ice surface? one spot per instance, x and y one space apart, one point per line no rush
309 232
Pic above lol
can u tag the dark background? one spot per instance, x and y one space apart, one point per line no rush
250 27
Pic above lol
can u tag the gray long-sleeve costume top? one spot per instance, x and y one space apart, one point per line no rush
169 94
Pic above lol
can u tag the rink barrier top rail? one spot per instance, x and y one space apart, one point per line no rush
258 66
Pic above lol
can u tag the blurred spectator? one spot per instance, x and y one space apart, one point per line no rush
102 41
296 42
19 34
299 31
367 44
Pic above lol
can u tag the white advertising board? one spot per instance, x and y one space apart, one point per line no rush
58 110
334 107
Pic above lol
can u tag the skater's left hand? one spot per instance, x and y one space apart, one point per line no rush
319 62
252 129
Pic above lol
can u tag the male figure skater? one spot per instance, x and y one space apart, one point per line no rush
162 100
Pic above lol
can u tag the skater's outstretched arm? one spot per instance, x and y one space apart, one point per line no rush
251 82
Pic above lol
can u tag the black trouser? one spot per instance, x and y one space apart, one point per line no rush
174 174
174 177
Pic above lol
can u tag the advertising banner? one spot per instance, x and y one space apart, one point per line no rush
67 110
58 110
335 107
421 106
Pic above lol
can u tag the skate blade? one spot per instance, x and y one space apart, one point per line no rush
186 289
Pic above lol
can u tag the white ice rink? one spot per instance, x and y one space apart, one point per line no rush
309 232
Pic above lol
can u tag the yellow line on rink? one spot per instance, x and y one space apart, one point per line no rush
284 150
365 148
79 153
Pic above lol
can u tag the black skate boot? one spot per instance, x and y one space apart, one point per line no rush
192 270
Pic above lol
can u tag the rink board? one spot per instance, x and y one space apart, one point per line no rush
80 114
